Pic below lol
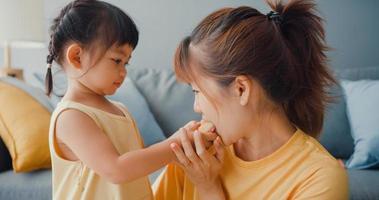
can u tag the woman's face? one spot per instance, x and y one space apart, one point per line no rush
220 106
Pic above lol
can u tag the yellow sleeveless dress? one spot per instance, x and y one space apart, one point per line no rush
74 180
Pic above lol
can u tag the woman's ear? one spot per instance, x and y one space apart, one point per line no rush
242 88
74 51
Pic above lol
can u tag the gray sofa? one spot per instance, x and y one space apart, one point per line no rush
171 105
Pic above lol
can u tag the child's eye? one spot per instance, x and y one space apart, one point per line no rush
117 61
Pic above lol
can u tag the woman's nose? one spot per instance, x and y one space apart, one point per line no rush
196 107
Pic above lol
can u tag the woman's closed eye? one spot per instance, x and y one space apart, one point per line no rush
195 91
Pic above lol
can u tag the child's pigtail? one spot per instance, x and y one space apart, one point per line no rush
49 75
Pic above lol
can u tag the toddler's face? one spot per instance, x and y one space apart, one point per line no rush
107 75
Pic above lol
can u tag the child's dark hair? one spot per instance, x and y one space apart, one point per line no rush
88 22
283 50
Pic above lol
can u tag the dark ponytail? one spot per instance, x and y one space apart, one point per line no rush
304 36
283 50
88 22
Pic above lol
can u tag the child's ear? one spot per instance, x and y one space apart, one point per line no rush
74 51
242 89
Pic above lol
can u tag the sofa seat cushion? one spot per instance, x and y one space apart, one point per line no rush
364 184
31 185
34 185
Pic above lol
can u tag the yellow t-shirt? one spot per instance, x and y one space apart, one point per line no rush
300 169
74 180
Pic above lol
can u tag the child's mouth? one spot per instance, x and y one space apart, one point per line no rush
118 84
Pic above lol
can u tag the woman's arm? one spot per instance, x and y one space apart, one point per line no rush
90 145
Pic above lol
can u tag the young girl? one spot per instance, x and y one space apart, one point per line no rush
261 79
95 145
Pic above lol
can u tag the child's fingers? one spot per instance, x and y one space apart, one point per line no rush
219 146
192 125
200 147
210 136
208 144
180 154
188 148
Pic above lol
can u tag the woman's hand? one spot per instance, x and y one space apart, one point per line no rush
201 167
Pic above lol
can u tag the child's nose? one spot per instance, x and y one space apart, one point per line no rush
123 72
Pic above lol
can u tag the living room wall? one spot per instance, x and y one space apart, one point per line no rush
351 27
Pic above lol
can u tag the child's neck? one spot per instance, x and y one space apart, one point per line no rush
78 92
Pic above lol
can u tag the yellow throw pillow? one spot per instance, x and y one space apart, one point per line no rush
24 128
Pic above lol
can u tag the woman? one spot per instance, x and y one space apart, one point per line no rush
261 80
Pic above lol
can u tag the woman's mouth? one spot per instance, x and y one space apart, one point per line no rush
207 126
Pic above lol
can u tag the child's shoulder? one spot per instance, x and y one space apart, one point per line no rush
73 111
121 106
65 105
118 104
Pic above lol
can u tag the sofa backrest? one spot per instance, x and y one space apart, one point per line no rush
172 104
336 135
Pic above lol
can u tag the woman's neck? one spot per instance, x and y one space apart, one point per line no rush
271 132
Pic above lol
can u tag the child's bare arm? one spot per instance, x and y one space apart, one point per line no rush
90 145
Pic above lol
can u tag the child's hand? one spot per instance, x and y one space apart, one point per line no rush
200 166
189 129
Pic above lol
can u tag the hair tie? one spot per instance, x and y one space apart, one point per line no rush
275 16
49 61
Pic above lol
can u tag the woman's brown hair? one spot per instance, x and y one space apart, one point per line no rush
284 51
